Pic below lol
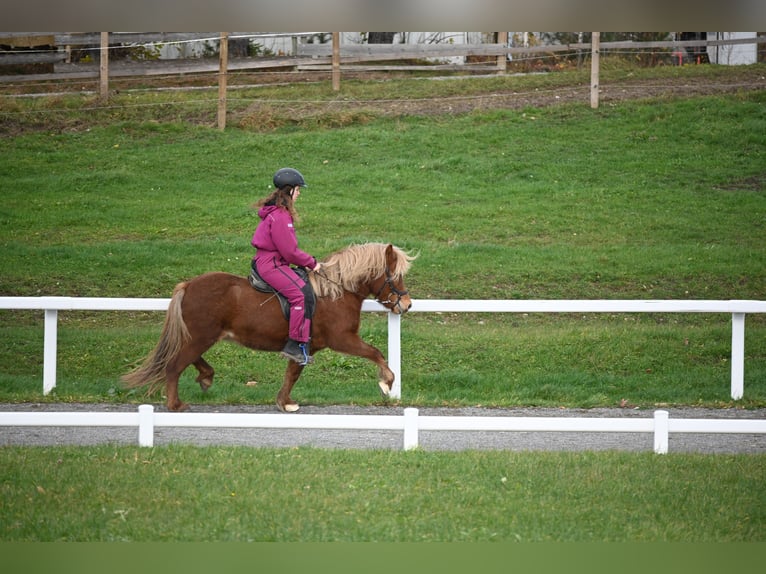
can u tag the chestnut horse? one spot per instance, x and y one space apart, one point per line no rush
221 306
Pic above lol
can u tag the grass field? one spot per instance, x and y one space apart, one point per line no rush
651 199
659 199
192 494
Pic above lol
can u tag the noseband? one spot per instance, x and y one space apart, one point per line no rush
392 290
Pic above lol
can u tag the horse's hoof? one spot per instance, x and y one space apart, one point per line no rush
179 408
288 408
205 384
385 390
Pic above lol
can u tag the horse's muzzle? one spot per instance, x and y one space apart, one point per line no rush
402 306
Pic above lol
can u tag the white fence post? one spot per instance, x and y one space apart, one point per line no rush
50 338
661 432
395 352
737 355
410 428
145 425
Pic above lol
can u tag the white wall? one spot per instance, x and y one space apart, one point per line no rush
733 55
284 45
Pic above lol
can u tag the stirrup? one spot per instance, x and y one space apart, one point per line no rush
297 352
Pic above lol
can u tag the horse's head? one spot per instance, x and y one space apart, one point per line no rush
368 269
389 288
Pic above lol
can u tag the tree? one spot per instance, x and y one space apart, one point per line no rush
239 47
380 37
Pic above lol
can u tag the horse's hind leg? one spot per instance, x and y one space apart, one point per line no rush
206 372
191 354
284 402
172 400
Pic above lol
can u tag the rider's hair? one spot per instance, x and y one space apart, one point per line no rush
281 197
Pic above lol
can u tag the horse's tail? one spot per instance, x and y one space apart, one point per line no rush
151 372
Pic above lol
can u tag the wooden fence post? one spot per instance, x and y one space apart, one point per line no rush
336 61
104 66
594 68
223 64
502 59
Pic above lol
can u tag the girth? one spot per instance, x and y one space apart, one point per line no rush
257 282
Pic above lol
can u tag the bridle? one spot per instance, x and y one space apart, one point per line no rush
392 290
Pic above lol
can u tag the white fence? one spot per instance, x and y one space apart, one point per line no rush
410 423
737 308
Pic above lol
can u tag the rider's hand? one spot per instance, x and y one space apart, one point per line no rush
317 267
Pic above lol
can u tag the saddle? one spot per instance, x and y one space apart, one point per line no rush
257 283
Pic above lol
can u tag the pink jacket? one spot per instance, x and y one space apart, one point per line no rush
275 238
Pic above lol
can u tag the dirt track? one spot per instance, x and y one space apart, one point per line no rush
610 93
261 114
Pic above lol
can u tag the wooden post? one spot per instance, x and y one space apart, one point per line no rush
336 61
104 66
223 64
594 68
502 59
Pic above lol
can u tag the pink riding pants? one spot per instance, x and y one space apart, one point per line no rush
286 281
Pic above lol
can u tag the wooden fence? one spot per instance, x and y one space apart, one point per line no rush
324 56
322 52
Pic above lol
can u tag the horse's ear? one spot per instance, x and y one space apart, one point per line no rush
390 256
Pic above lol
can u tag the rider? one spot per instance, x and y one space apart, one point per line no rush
276 249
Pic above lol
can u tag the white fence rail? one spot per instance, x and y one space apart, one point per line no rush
410 423
736 308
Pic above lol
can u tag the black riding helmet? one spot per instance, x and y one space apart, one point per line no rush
288 176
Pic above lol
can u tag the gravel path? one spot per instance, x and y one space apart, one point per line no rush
360 439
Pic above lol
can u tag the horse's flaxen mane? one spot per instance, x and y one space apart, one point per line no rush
344 270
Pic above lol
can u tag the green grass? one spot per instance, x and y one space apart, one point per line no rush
448 360
657 199
236 494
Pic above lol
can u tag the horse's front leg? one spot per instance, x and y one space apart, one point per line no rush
284 402
353 345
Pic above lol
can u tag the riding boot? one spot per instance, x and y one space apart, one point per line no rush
298 352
